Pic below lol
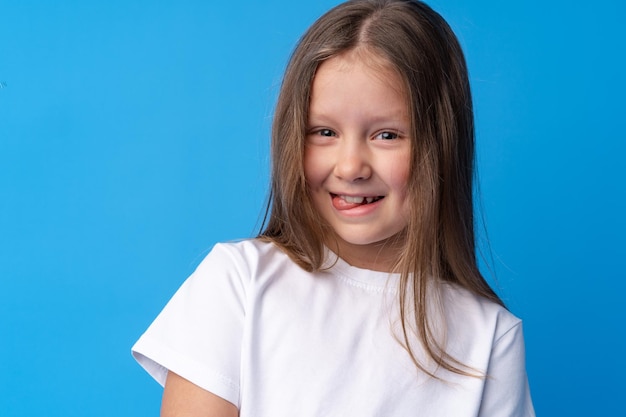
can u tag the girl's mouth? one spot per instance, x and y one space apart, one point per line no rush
347 201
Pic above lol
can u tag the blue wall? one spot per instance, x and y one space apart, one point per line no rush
133 136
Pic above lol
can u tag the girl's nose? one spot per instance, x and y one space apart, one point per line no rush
352 162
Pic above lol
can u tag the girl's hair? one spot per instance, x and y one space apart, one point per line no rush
439 242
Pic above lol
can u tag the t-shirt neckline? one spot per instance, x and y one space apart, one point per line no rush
365 277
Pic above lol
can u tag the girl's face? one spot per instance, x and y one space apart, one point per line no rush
356 159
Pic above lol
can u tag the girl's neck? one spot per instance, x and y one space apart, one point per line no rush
378 256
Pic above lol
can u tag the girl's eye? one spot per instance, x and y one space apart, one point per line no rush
326 132
387 135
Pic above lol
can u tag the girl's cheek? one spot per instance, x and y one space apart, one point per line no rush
318 161
313 167
399 171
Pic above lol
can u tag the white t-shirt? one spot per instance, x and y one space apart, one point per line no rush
252 327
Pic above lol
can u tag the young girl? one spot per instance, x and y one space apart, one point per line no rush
361 297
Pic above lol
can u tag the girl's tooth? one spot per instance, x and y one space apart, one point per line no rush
359 200
353 200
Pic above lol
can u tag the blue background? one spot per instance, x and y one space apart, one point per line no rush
133 136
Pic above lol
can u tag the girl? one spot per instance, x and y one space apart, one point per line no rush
361 296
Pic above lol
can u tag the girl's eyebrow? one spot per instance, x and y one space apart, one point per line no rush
392 117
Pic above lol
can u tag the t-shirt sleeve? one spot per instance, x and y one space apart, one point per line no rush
198 334
506 392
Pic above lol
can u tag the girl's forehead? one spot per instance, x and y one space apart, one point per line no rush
348 88
365 60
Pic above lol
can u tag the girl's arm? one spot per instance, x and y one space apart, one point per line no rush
182 398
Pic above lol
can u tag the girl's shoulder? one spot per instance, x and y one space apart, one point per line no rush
246 252
469 313
244 260
249 247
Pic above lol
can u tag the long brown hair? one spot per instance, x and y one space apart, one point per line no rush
439 241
